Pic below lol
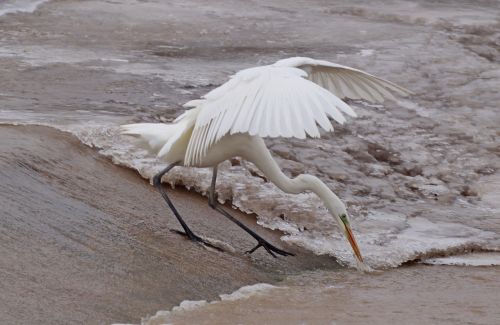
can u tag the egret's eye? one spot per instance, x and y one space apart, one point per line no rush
343 217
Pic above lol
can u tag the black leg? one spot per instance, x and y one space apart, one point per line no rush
261 242
187 232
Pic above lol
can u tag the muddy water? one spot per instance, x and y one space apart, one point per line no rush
409 295
420 175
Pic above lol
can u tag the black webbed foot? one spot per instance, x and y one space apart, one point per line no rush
197 239
271 249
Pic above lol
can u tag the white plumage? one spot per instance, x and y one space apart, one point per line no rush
345 82
289 98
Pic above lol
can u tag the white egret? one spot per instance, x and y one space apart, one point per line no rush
289 98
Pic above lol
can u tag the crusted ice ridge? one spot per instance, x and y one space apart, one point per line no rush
386 239
7 7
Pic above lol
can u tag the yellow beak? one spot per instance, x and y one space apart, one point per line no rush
352 241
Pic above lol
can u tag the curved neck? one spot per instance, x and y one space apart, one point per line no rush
315 185
261 157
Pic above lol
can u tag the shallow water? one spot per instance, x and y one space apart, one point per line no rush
354 298
420 175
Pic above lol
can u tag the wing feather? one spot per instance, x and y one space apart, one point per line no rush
361 89
246 113
345 82
255 119
362 82
296 121
320 115
353 87
285 120
307 116
334 86
289 98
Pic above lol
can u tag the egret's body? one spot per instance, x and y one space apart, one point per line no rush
287 99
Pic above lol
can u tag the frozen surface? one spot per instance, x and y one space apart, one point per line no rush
419 176
474 259
16 6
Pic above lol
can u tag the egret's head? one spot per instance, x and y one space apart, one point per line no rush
334 205
344 223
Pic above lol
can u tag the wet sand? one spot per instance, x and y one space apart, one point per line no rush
84 241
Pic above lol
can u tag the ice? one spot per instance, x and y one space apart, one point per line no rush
366 52
474 259
14 6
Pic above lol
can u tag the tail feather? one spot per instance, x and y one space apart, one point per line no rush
153 135
167 141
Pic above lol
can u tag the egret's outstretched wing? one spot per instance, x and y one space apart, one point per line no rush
265 101
345 82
